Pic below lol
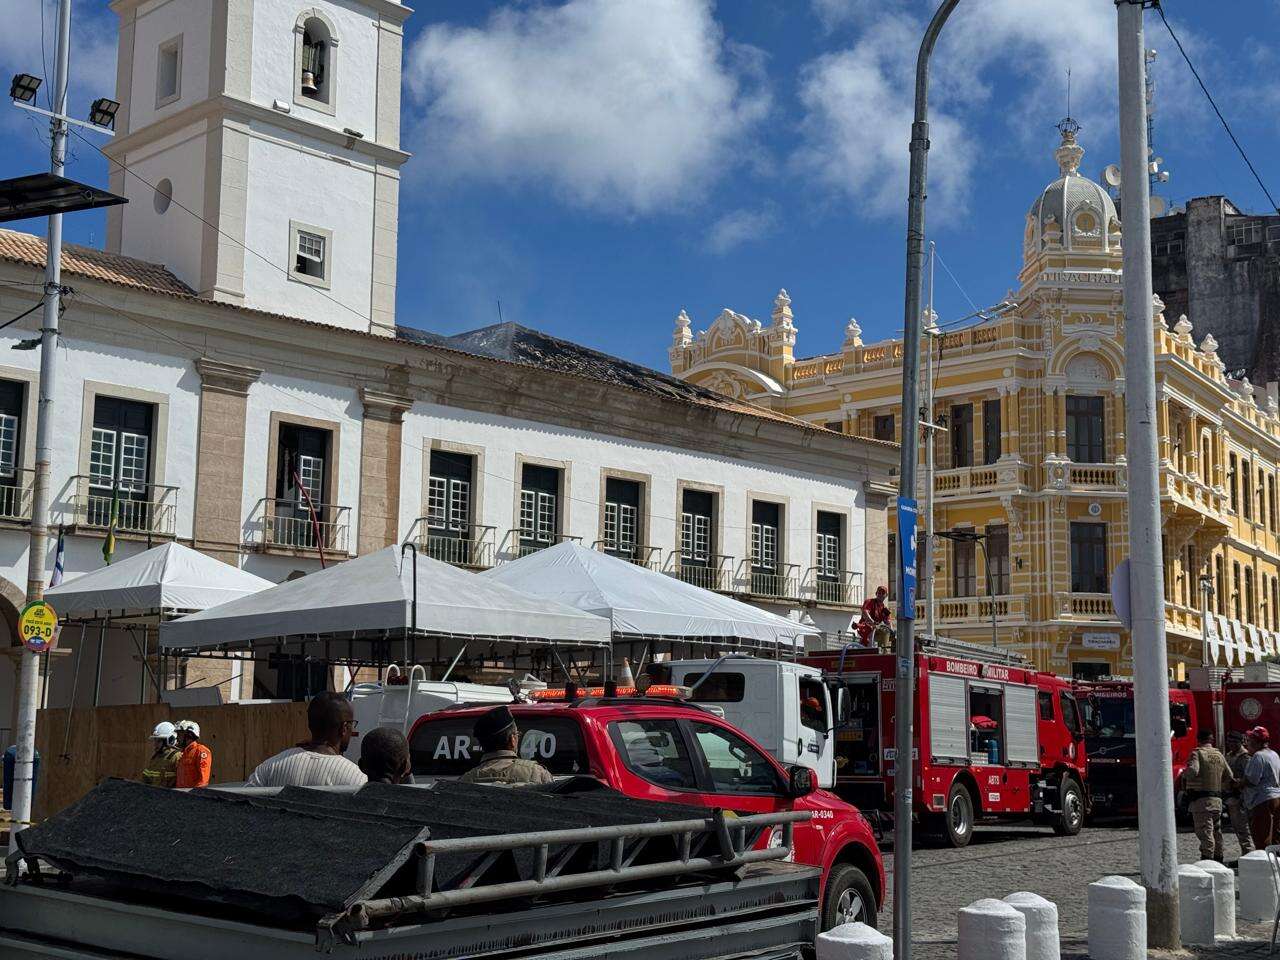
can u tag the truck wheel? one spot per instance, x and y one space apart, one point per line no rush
1071 819
848 898
958 820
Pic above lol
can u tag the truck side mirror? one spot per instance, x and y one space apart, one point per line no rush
841 707
800 782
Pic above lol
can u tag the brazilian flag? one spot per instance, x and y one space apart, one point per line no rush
109 544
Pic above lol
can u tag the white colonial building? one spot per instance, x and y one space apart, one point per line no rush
232 363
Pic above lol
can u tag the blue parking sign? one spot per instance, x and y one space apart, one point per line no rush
907 512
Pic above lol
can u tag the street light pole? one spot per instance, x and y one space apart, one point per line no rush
1157 836
930 430
29 687
904 776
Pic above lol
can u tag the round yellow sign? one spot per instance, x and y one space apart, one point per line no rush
38 626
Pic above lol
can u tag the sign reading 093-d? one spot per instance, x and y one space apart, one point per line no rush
38 626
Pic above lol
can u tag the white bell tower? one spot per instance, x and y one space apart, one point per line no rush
278 124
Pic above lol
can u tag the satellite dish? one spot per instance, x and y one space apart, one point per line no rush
1111 175
1159 206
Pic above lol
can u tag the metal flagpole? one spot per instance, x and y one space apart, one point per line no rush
904 775
930 428
28 695
1157 836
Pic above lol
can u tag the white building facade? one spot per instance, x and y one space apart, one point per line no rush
233 392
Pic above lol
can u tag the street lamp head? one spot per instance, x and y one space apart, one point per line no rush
103 113
23 87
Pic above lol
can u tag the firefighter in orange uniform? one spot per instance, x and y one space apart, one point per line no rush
196 762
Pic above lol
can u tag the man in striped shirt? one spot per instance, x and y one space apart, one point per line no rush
318 762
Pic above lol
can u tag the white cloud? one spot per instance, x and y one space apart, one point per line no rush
623 107
742 226
998 80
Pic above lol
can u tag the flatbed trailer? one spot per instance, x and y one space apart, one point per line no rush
665 888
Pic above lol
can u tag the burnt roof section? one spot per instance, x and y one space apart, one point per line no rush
518 344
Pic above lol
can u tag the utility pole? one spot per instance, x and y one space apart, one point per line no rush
904 776
29 688
1157 837
930 430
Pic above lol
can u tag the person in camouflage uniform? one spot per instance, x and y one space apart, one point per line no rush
500 739
162 768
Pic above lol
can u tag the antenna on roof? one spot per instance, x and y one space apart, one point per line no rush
1068 91
499 299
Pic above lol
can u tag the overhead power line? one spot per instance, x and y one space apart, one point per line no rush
1208 96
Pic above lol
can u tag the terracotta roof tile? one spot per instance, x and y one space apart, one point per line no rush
88 262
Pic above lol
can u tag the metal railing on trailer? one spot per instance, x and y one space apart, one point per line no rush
731 839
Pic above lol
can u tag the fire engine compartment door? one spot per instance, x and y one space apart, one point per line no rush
1022 741
948 717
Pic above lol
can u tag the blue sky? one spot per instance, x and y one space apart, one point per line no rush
597 165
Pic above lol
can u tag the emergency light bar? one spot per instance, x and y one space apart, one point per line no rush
571 692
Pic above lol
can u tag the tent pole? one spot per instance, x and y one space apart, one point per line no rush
454 663
97 680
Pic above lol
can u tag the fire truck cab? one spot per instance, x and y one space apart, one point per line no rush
994 739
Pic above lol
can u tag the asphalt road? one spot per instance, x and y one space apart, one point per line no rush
1004 860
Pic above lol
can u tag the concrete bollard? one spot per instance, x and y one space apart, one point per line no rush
1224 897
1042 925
1117 920
1195 906
1257 889
854 941
991 930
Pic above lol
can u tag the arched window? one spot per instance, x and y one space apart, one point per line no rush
315 61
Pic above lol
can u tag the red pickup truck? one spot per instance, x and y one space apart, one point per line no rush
676 752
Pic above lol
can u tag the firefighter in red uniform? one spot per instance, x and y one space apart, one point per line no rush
875 612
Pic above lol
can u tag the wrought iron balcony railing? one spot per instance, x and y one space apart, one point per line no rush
289 525
471 547
140 508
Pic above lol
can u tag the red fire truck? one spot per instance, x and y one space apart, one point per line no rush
1110 741
1212 699
995 739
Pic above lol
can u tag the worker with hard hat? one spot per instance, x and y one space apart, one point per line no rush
196 762
162 769
500 740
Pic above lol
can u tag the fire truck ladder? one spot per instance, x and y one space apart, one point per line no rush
964 650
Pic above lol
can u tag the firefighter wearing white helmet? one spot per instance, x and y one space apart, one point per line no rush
162 768
196 762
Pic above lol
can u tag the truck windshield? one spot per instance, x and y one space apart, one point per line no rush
1111 718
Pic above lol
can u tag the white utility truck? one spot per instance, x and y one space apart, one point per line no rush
399 700
785 707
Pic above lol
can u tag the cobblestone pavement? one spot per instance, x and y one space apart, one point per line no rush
1003 860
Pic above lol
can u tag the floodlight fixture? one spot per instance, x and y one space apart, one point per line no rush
103 113
23 87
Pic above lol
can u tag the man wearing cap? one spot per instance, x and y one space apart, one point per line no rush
1262 788
162 768
1237 758
500 739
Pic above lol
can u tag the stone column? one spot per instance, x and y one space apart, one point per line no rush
380 437
218 522
876 535
219 493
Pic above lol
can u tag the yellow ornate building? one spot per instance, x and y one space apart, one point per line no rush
1031 454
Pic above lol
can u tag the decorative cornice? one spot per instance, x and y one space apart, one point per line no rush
226 377
226 107
384 406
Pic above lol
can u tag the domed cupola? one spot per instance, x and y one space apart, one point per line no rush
1073 213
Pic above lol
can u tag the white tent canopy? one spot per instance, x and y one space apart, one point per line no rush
373 596
641 602
167 578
